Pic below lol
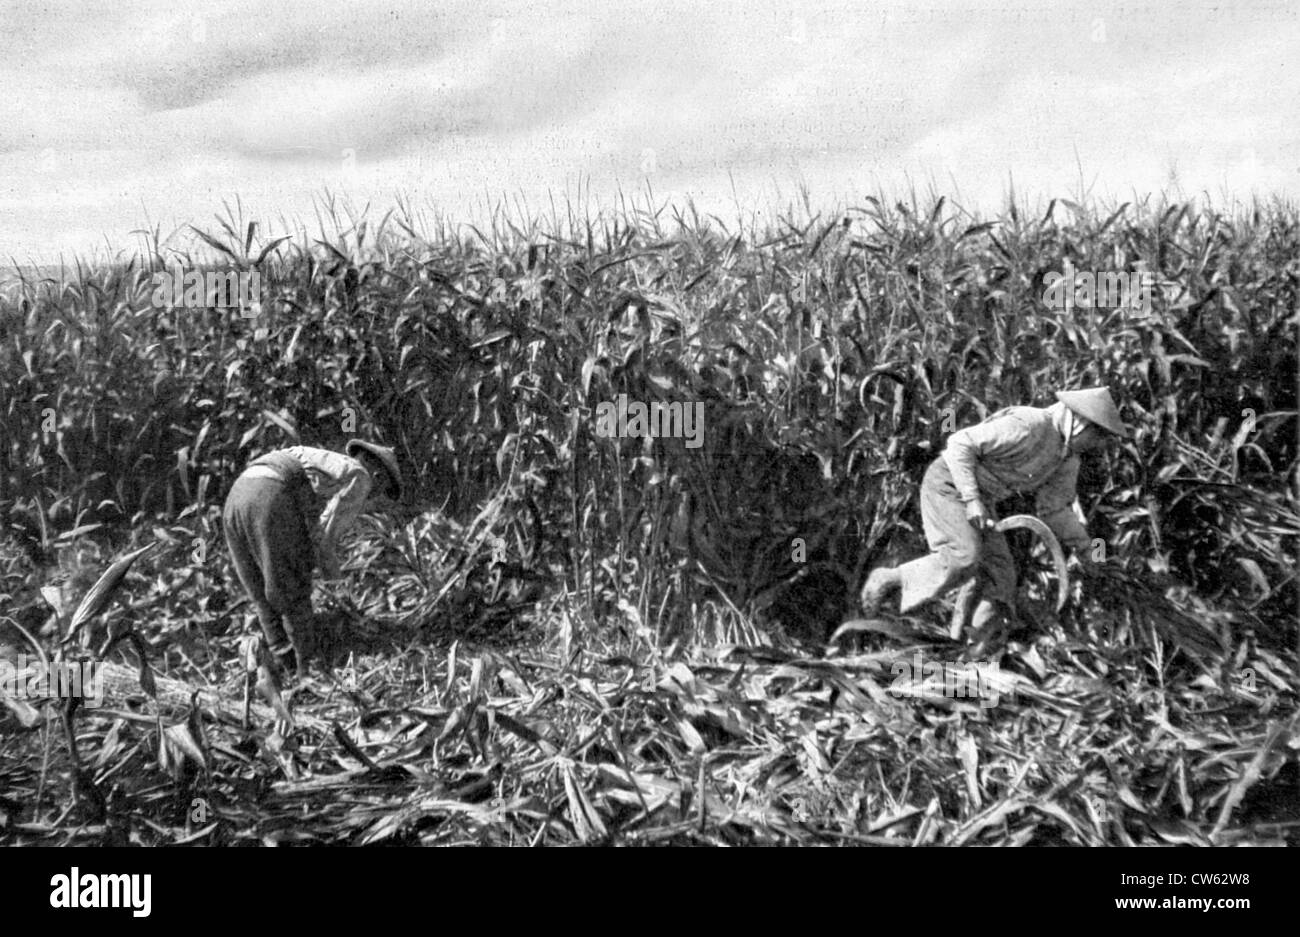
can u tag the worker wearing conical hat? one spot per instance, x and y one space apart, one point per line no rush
284 515
1016 450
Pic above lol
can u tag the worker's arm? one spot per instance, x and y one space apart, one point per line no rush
338 517
1055 502
990 439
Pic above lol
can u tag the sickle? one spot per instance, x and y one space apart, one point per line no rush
1029 522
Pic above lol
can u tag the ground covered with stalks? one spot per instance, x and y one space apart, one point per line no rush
563 638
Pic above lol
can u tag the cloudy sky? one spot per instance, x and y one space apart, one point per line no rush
114 114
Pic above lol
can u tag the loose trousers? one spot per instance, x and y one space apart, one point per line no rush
959 551
267 529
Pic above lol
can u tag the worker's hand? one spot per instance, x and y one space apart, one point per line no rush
978 515
1081 561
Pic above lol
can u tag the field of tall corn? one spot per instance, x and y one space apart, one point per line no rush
559 637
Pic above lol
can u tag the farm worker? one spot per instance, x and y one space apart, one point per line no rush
1016 450
270 523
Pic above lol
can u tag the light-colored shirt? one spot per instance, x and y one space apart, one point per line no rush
340 480
1019 450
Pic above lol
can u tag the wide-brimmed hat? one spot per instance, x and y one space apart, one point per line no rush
1096 406
386 456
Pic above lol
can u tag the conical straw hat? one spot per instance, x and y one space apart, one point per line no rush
1096 406
384 455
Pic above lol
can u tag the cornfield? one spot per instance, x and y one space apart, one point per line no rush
560 637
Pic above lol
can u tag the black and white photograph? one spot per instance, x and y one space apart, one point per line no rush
559 423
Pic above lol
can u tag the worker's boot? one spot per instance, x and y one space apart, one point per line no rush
277 640
962 609
882 579
285 658
300 626
987 630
